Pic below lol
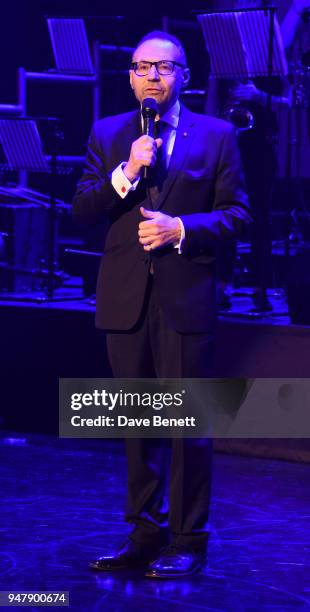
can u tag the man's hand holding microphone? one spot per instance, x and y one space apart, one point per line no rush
142 155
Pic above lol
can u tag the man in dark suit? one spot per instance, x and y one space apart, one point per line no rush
156 285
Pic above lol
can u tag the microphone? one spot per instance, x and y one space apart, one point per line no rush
149 112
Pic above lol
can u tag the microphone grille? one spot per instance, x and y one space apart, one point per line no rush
149 107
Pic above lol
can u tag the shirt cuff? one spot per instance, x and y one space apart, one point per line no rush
121 183
178 245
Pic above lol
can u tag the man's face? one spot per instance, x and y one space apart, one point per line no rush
164 89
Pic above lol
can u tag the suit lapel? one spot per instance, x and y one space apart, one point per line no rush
130 132
184 137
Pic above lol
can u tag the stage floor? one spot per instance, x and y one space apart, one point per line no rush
62 504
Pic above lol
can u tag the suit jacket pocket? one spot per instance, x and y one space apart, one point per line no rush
203 174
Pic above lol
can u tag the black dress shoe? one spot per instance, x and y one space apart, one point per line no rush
176 561
129 555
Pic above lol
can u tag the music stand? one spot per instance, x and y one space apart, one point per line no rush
70 45
247 43
239 43
22 147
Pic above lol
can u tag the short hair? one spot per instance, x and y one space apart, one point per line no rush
161 35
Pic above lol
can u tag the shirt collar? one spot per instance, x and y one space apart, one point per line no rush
172 115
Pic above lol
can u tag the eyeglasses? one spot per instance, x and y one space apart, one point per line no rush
163 67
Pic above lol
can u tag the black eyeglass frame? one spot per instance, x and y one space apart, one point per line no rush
134 65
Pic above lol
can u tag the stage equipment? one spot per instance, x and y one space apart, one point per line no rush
297 151
237 42
245 44
240 116
23 228
70 46
74 66
22 147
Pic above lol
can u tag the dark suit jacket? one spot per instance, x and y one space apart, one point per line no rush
204 187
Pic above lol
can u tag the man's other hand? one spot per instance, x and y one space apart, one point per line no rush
158 230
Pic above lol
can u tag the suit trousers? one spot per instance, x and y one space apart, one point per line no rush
153 350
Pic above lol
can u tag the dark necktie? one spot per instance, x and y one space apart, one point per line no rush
159 170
